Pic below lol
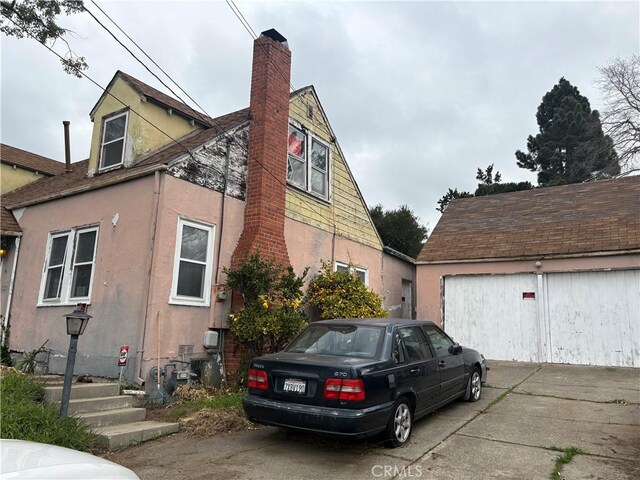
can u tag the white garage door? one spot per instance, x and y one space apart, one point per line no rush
594 317
575 317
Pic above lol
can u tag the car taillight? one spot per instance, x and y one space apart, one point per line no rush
257 379
344 389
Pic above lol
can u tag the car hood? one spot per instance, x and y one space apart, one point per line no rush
30 460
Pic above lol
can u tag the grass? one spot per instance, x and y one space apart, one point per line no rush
24 416
562 460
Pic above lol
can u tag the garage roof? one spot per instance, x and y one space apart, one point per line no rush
577 219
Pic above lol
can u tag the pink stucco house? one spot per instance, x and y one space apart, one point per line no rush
168 197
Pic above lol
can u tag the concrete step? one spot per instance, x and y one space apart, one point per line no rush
113 417
119 436
49 379
99 404
82 390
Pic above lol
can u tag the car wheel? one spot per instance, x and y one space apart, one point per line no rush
474 387
400 423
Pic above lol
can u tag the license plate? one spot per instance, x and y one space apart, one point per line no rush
293 385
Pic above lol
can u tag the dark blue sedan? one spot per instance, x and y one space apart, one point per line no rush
360 377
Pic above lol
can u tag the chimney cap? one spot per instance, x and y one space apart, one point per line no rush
275 35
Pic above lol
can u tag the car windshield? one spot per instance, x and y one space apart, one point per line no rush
342 340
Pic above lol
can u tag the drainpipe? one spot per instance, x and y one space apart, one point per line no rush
10 295
142 330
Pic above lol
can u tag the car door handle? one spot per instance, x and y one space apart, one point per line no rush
415 370
442 363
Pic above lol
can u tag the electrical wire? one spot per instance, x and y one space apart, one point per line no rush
211 124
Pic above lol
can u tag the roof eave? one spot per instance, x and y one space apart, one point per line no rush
141 172
607 253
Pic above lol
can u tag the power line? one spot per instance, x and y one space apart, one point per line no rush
151 59
210 123
247 26
177 142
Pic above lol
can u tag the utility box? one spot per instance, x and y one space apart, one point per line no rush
210 340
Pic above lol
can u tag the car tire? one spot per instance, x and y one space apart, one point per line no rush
400 423
474 387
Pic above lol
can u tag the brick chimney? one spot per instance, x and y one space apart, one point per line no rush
267 163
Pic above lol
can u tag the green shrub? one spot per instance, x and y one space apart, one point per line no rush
272 313
25 417
342 294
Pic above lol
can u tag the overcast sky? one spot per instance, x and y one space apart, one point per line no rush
419 94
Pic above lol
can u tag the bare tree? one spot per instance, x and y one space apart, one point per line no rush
620 85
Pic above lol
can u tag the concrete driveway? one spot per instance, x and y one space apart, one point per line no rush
527 414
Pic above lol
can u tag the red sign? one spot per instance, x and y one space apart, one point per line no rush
528 295
124 356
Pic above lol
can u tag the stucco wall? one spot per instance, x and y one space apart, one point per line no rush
395 270
429 275
118 280
185 325
12 178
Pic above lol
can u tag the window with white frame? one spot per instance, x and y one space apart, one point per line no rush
361 272
192 264
112 146
69 266
308 163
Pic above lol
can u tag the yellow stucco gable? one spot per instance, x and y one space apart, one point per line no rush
149 126
12 177
346 208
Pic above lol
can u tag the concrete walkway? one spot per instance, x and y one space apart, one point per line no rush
527 412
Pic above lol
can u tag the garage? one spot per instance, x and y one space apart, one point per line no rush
588 318
544 275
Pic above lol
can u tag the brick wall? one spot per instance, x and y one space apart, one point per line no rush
267 163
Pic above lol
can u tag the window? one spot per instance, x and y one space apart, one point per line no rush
69 266
361 272
113 141
192 267
341 340
416 343
440 341
308 163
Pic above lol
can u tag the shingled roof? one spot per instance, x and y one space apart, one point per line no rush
584 218
30 161
158 97
77 181
8 224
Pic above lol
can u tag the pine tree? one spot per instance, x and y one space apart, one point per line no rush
571 146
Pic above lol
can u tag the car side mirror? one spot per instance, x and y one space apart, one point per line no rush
455 349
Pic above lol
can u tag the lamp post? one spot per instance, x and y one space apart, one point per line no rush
76 323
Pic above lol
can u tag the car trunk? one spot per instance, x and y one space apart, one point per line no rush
300 377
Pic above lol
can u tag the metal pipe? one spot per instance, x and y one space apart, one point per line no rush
142 331
67 146
68 375
5 320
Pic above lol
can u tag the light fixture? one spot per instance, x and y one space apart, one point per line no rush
76 323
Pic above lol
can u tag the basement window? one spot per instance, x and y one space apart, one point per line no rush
192 264
361 272
113 141
69 267
308 163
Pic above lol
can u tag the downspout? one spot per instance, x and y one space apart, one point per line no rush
5 321
142 330
222 340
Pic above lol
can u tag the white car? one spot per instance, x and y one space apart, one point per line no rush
30 460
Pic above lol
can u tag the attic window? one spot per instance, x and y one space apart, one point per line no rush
310 112
113 141
308 163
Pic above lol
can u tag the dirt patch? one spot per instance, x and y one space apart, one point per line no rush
214 421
